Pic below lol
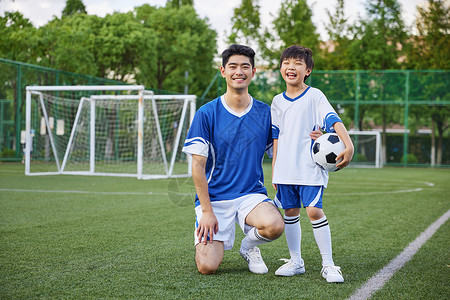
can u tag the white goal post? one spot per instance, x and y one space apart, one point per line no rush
367 149
121 130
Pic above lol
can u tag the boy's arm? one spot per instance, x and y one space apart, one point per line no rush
208 224
347 154
274 158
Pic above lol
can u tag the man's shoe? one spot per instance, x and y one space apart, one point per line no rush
254 260
290 268
332 274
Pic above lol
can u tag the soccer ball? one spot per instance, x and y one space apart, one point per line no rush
325 150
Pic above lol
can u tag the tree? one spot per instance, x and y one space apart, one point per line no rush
429 50
378 44
246 23
179 3
293 25
336 56
184 42
18 42
74 7
17 37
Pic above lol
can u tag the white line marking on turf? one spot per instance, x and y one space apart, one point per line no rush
90 192
377 282
379 193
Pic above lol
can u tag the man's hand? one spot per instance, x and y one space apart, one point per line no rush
207 226
315 134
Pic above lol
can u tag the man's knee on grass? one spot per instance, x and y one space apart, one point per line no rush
209 257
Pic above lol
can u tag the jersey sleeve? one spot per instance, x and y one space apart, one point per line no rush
269 144
198 138
327 114
275 120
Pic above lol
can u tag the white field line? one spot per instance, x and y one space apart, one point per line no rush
89 192
377 282
183 194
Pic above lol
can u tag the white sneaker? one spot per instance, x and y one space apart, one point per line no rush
254 260
332 274
290 268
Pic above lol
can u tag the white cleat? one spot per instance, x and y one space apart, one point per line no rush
290 268
254 260
332 274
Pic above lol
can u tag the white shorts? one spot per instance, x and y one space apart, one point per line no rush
229 212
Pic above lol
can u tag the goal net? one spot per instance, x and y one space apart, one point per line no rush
106 130
367 149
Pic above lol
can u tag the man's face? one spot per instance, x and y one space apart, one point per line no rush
238 72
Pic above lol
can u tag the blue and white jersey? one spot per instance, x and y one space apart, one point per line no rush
234 145
292 122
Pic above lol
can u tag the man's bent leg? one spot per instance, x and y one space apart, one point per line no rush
267 219
208 257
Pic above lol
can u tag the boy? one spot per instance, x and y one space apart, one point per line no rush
297 114
227 140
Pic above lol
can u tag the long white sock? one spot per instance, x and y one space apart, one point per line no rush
253 239
293 233
322 234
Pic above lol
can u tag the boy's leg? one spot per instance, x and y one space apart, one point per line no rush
293 233
322 235
208 257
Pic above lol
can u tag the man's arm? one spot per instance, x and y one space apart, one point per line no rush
347 154
208 224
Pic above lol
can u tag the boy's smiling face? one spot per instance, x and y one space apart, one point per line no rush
294 71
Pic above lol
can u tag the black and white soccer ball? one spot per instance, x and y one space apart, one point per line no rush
325 150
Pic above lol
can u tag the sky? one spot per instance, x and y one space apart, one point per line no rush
218 12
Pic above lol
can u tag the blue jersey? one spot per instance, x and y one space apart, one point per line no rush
234 145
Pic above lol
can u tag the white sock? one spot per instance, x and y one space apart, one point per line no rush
322 234
253 239
293 232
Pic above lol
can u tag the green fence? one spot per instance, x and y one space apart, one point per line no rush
410 107
14 77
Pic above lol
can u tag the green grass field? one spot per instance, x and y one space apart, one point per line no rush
78 237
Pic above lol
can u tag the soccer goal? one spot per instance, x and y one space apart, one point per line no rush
106 130
367 149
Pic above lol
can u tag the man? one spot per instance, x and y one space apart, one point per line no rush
227 141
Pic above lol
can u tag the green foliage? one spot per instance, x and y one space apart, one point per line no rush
429 48
7 153
74 7
179 3
17 37
184 42
335 53
410 159
291 26
246 23
378 40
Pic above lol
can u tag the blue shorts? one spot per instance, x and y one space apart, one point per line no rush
293 196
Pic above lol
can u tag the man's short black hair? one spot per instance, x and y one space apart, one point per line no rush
298 52
236 49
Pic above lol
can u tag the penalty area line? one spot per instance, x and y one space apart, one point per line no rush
377 282
92 192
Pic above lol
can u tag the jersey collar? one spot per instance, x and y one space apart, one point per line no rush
296 98
239 115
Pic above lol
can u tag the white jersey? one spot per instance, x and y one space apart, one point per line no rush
292 122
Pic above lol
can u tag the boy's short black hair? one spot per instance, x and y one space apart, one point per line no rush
236 49
298 52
